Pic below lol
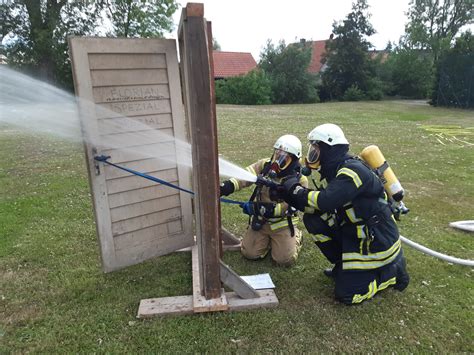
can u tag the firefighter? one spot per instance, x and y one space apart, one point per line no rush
349 218
272 224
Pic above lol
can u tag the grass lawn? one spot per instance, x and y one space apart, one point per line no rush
54 297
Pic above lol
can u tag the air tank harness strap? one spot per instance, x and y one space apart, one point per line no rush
380 170
256 222
289 216
292 211
103 159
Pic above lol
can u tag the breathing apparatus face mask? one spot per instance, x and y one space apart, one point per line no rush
280 160
313 156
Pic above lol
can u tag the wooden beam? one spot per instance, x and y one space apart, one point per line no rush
200 303
201 117
213 111
195 9
228 238
178 305
231 279
267 298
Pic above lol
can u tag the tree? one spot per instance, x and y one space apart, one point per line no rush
455 75
286 66
215 45
131 18
36 31
250 89
433 24
411 74
347 59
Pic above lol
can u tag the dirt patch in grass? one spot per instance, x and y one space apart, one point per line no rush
19 315
20 294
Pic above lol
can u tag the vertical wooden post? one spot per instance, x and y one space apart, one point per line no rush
195 59
214 114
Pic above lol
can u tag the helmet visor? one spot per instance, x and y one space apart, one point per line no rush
313 153
281 158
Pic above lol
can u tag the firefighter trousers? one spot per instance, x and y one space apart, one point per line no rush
354 286
284 248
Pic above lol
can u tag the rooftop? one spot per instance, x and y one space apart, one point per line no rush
319 48
228 64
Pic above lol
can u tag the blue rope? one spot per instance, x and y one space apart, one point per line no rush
103 159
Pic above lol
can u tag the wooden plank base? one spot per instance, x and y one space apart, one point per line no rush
182 305
226 247
165 306
196 303
267 298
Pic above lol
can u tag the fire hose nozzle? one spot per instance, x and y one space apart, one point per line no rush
262 181
403 209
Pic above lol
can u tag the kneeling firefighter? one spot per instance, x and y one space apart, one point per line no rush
350 219
272 223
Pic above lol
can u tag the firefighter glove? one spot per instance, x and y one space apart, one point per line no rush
289 186
248 208
294 194
226 188
264 209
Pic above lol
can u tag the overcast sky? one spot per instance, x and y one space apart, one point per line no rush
245 25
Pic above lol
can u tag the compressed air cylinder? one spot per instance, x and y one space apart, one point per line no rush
374 157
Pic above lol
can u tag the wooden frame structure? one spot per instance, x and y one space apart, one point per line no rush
209 272
131 103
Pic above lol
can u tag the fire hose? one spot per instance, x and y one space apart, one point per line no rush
104 159
450 259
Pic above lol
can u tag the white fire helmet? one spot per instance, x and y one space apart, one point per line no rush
290 144
285 147
328 133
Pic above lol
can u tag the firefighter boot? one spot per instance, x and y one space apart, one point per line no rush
402 275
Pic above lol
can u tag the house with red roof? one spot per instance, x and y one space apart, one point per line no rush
229 64
319 49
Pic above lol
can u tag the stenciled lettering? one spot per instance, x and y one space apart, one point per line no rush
129 107
133 94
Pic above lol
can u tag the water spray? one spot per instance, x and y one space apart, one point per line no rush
36 106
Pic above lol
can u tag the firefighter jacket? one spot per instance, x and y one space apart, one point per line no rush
279 218
355 207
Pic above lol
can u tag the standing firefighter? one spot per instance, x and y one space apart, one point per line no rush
350 219
272 224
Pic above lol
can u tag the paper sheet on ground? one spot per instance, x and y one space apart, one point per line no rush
259 282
